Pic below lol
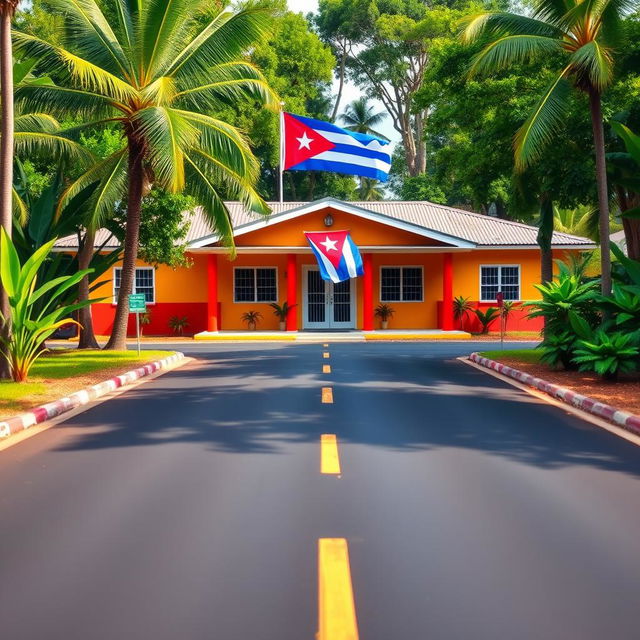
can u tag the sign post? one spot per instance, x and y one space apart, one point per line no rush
137 305
500 301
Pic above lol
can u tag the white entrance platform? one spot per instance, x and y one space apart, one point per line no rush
330 336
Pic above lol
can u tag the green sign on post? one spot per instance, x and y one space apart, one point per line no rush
137 303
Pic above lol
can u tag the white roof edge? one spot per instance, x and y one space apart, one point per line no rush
346 208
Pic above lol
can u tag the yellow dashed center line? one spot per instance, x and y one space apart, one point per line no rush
326 368
329 457
336 607
327 395
326 354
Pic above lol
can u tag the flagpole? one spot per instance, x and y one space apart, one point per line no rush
282 159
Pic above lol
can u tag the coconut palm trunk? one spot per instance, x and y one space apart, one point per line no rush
595 105
7 10
87 337
118 339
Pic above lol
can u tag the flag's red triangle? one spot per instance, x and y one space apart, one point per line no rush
329 243
301 142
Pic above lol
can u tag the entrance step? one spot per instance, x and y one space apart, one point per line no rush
337 336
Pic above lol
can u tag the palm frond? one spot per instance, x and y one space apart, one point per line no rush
128 13
19 208
30 143
84 74
30 122
228 83
539 127
63 102
225 39
162 29
503 23
161 91
92 35
111 177
167 134
594 62
204 191
223 141
509 50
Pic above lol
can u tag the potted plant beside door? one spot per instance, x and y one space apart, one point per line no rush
282 311
252 318
384 312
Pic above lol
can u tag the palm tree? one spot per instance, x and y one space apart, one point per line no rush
156 71
370 190
585 34
359 116
7 11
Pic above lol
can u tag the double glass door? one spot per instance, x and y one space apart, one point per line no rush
328 305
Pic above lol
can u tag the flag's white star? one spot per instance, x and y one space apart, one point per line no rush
329 245
305 143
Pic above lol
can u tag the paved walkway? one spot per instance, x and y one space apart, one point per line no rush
193 507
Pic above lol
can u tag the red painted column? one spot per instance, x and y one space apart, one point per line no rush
292 291
447 292
367 294
212 292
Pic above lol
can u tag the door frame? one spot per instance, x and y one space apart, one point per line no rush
329 324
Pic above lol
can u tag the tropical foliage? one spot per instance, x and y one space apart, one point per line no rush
156 71
486 318
32 321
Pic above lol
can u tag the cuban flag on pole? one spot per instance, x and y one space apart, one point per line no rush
314 145
337 255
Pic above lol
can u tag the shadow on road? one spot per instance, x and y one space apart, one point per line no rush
253 400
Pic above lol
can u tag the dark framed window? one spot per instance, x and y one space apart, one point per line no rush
144 282
495 278
401 284
255 284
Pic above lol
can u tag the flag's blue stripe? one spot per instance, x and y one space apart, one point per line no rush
320 125
356 256
341 167
360 151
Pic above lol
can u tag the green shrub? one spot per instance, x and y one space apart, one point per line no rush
251 318
487 317
559 349
607 354
461 307
35 313
178 324
564 299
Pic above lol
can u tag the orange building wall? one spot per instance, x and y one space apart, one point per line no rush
183 292
364 232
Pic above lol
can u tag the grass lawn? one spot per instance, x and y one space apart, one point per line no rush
522 355
60 372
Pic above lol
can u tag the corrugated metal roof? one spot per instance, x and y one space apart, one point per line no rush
482 230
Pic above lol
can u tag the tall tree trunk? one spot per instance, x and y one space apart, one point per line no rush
118 339
545 238
603 193
631 228
87 338
6 152
343 62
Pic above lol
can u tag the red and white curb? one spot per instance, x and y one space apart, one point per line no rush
52 409
624 419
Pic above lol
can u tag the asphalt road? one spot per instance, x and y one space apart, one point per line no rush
191 507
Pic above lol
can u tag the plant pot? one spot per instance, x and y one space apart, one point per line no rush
384 324
252 326
283 325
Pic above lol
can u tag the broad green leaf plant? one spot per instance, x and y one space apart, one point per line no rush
31 323
583 36
158 70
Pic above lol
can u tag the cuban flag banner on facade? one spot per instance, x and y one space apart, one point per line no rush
337 254
314 145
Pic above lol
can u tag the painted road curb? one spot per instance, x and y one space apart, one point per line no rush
624 419
72 401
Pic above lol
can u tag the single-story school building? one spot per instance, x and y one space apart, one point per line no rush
417 257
